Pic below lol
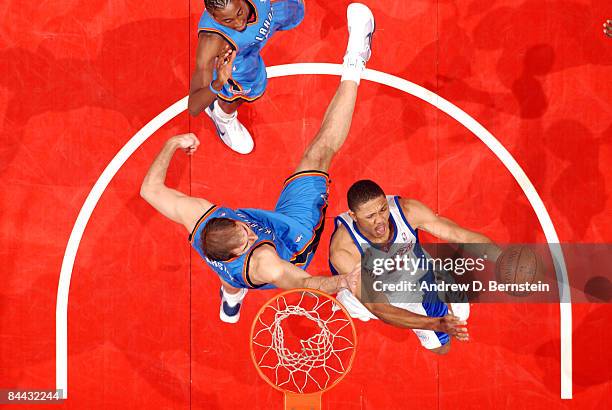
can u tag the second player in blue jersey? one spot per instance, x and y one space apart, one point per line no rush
229 68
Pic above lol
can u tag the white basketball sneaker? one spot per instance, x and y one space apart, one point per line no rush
361 28
229 311
230 130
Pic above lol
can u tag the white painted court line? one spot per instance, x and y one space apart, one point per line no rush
61 309
61 314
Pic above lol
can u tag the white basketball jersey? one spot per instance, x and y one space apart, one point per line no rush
404 244
403 234
405 241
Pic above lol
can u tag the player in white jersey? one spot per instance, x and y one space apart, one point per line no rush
376 222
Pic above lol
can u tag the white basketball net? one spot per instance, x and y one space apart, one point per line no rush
322 357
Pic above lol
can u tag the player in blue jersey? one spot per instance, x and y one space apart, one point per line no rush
260 249
229 69
391 224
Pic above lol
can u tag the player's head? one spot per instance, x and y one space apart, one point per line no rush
223 239
368 208
229 13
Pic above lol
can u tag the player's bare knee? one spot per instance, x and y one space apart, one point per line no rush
318 156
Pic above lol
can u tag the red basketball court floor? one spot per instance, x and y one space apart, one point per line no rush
80 78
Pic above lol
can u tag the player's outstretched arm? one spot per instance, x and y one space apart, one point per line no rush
422 217
213 52
403 318
169 202
268 267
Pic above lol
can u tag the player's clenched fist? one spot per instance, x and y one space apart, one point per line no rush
187 142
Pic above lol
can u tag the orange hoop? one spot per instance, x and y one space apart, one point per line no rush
326 345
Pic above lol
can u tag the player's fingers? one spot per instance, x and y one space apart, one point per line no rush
223 52
452 318
461 332
232 56
455 320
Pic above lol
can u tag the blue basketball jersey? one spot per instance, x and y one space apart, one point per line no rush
253 37
284 233
249 68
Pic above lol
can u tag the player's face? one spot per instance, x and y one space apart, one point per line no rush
372 218
246 238
234 15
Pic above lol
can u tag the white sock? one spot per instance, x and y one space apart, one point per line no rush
222 115
233 299
352 67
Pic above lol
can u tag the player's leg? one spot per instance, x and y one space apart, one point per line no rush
337 120
231 302
248 83
229 107
333 131
224 115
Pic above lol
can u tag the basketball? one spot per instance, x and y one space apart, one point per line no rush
518 265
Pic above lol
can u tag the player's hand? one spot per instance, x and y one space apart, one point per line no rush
187 142
608 28
346 281
451 325
224 64
350 280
